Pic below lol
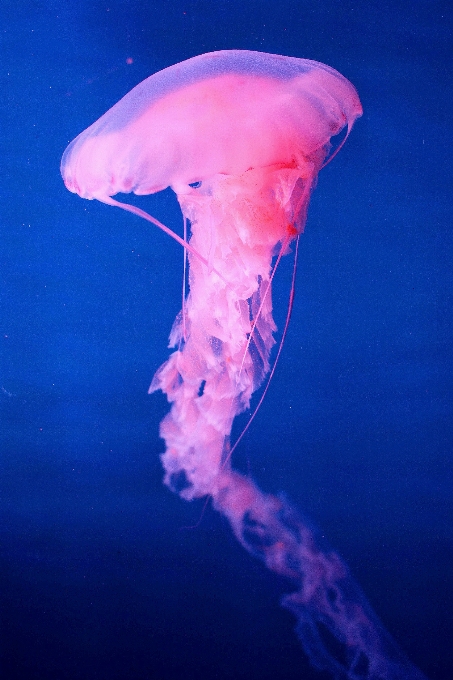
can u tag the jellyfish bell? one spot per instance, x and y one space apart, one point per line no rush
218 113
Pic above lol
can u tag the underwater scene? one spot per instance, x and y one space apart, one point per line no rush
226 408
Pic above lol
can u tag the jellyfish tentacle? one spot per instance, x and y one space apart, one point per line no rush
280 347
184 276
256 318
338 629
335 624
149 218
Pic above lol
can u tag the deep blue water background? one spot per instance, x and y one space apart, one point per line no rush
98 580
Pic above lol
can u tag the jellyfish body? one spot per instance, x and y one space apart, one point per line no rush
240 137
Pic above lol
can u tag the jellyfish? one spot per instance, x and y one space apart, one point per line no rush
240 137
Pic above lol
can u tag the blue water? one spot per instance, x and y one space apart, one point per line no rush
98 578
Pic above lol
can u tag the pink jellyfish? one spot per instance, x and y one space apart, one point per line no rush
240 137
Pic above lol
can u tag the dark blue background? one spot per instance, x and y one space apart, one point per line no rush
98 578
